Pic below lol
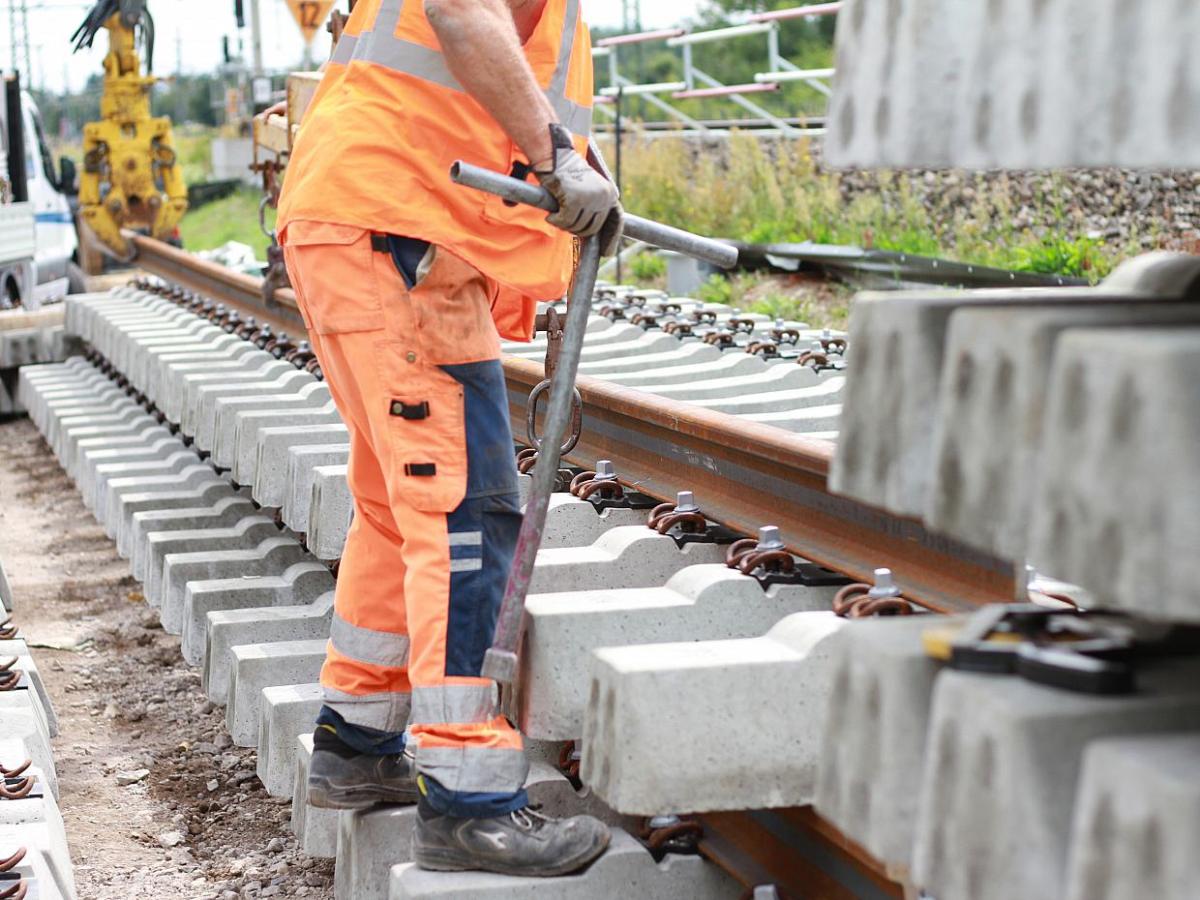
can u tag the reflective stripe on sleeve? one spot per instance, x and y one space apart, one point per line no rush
365 645
454 704
472 768
388 712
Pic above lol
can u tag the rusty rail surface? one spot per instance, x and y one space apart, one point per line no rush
744 474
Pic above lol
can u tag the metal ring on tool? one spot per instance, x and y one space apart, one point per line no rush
531 418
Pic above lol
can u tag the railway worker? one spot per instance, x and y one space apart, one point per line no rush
407 284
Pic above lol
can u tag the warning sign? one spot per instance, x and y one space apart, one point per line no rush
310 15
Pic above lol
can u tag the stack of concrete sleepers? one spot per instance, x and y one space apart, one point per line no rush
1056 428
34 857
27 338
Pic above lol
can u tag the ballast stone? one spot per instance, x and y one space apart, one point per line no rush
1122 414
643 699
1002 770
875 730
1137 820
699 603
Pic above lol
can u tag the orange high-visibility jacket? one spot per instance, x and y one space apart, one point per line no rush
388 121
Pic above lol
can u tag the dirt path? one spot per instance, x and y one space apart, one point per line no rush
198 825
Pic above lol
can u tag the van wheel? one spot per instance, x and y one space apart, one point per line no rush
76 280
10 296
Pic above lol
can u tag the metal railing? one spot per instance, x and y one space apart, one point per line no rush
698 84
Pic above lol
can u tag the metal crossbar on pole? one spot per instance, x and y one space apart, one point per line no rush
700 85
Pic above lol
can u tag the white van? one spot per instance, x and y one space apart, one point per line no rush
38 241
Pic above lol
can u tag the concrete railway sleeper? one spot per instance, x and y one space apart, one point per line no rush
35 861
220 473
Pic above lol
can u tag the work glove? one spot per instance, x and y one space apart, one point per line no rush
588 203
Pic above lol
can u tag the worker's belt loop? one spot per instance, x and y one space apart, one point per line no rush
420 470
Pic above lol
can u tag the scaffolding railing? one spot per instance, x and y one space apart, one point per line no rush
697 84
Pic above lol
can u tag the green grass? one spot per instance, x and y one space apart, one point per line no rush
233 219
765 195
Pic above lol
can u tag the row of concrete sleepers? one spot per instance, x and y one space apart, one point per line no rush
637 645
34 859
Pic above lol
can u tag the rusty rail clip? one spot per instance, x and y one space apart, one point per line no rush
16 788
671 834
13 890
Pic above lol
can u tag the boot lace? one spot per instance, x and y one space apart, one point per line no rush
530 818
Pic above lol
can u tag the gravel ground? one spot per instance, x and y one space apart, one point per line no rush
1150 209
158 803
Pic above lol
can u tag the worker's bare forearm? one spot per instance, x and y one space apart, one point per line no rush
483 51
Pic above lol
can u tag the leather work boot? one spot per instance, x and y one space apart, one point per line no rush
341 778
523 842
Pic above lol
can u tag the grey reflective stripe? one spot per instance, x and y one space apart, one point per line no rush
466 565
575 118
344 51
466 539
458 704
376 648
380 46
384 712
474 769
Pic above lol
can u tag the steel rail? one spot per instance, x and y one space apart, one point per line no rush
744 474
222 284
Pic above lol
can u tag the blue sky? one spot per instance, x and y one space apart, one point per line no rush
190 31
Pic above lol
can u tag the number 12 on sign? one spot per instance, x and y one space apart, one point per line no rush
310 15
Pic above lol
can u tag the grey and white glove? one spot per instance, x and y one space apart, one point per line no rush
588 202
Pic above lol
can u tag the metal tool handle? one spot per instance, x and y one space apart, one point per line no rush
663 236
500 663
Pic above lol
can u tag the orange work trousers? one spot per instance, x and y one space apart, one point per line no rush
415 374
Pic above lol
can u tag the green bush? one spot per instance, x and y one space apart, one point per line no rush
648 267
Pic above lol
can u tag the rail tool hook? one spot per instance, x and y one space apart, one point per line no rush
500 664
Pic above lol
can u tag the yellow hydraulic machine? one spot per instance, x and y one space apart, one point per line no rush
131 177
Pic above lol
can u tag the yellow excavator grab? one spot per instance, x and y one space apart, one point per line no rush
131 177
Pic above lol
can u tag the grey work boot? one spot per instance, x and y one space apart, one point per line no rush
341 778
523 842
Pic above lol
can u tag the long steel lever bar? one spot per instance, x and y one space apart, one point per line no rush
637 228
